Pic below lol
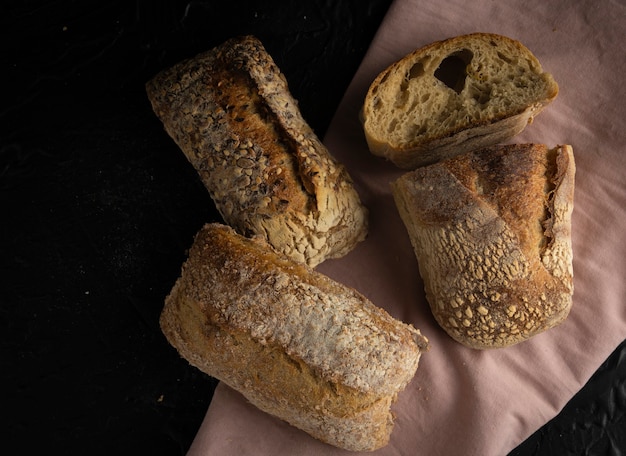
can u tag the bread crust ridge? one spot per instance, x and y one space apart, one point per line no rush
231 113
295 343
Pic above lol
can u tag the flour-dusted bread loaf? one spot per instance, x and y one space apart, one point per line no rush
491 233
453 96
231 113
295 343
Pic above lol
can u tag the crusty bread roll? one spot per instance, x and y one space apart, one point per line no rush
295 343
453 96
491 233
231 113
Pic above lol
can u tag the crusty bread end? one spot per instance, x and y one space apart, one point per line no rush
491 230
295 343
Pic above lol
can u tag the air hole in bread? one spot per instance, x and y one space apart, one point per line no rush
402 98
392 125
481 97
416 70
453 69
419 129
506 58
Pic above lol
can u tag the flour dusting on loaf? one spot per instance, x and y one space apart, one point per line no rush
294 342
491 230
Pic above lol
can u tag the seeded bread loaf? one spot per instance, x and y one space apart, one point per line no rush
491 230
453 96
295 343
231 113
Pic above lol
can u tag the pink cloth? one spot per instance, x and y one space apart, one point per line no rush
464 401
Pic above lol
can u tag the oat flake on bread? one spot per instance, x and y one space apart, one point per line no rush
231 113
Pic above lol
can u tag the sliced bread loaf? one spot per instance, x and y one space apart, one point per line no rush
453 96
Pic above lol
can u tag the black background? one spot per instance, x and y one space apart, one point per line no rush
98 206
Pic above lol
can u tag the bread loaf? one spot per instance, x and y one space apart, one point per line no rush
453 96
231 113
295 343
491 230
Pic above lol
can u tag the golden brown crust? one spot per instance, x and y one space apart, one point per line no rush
231 113
297 344
491 232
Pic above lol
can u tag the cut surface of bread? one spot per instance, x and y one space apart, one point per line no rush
453 96
491 230
295 343
231 113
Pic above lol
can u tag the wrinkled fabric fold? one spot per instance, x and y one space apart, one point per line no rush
462 400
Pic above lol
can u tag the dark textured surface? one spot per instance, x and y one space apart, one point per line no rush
593 422
98 207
